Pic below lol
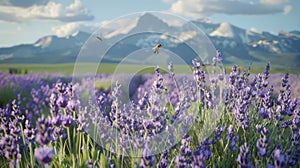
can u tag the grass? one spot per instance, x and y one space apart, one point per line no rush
68 68
87 68
40 68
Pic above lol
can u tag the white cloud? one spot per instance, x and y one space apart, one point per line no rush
73 28
205 8
67 29
184 36
50 11
287 9
273 2
168 1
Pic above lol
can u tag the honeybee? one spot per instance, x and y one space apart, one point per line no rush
99 38
204 65
156 48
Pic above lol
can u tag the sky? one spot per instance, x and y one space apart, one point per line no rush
25 21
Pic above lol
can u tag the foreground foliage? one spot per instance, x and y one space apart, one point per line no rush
44 122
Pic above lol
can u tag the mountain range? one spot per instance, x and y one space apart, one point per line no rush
238 46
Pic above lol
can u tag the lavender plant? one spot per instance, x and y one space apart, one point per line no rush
49 120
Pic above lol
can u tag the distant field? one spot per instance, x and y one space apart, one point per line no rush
111 68
84 68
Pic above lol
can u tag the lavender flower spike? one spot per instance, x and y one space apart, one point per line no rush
44 154
244 156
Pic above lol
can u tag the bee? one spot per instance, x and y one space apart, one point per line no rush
204 65
99 38
156 48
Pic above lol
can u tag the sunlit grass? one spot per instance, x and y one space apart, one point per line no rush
84 68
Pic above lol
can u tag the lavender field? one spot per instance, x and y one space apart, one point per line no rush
51 120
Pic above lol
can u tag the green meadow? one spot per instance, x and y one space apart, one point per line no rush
68 68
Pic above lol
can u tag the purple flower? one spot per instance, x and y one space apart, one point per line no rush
29 132
196 64
44 154
53 106
73 104
234 68
158 83
69 90
184 159
62 101
44 130
296 120
9 147
280 158
199 75
148 159
232 138
286 123
262 113
111 163
294 149
67 121
202 154
171 69
181 162
218 58
267 71
219 131
56 120
59 132
220 77
102 99
285 80
185 149
82 121
143 102
163 163
244 156
61 87
262 146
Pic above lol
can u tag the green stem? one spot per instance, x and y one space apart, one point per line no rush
31 155
69 140
61 150
77 146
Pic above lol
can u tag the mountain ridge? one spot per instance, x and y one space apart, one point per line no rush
237 44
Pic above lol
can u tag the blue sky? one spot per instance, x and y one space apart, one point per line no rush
24 21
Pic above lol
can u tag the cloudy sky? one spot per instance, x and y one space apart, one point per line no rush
24 21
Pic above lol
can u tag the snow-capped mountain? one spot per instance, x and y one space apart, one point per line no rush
224 30
236 44
48 49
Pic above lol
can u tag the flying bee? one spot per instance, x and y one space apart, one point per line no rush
204 65
99 38
156 48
